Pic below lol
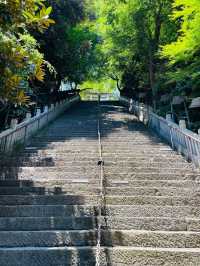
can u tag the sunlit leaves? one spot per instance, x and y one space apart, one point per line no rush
188 42
39 72
183 54
20 60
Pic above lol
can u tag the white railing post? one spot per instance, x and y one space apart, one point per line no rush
131 106
13 123
182 139
182 124
169 117
46 108
38 112
28 116
19 133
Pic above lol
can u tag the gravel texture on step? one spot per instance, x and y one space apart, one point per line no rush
110 210
157 239
119 256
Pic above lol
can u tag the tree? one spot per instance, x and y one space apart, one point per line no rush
132 33
20 60
69 45
183 53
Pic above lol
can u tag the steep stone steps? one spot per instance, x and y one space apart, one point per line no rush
108 182
48 183
68 189
109 210
153 191
70 175
152 176
47 223
69 199
136 238
81 189
115 256
90 222
49 200
83 162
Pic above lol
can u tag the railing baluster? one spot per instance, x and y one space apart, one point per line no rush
181 139
27 128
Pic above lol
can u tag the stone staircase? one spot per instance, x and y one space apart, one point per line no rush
49 196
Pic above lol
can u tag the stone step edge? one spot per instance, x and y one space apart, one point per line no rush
130 231
187 188
120 248
27 183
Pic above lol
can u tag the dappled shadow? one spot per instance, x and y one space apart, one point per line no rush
70 221
114 118
69 146
76 126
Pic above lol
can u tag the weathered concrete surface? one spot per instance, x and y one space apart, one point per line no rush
49 198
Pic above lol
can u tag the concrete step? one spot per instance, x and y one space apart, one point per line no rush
90 222
82 189
152 176
153 200
52 176
48 200
131 143
151 211
93 199
47 210
150 164
48 238
47 223
108 182
38 161
136 238
153 191
95 168
15 183
151 183
57 169
48 182
141 155
149 223
109 210
43 161
132 157
78 144
76 189
144 169
78 162
63 256
54 163
111 159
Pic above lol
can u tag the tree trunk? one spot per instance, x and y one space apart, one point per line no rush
153 48
152 77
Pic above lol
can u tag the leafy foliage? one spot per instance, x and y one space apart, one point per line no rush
69 45
183 54
20 60
132 33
